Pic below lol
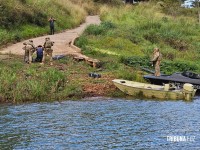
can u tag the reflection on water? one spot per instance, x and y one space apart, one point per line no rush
100 124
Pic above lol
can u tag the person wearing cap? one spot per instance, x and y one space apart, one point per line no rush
156 59
48 50
29 49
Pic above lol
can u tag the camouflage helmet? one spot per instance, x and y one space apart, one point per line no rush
156 49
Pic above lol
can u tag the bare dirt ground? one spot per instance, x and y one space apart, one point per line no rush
62 40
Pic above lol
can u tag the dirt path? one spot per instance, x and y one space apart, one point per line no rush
62 40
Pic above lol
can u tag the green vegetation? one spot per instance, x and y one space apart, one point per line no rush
123 42
23 19
131 33
22 82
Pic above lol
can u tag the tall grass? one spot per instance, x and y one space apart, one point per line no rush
31 84
138 29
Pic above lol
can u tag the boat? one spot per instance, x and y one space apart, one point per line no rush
179 79
167 91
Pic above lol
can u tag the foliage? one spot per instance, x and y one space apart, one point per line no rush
27 85
99 29
81 42
110 2
167 66
138 29
136 61
123 42
22 19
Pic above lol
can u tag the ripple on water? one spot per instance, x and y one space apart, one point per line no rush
100 124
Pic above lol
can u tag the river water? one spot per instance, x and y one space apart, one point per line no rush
101 124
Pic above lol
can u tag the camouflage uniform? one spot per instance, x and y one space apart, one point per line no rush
29 49
48 50
156 59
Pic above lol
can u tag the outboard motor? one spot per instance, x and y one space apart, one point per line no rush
166 87
169 86
188 90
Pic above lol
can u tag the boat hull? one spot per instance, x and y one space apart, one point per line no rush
149 90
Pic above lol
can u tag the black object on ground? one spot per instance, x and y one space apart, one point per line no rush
94 75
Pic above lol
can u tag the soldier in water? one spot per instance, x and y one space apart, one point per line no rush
48 50
29 49
156 59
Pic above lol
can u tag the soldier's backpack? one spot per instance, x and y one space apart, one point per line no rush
159 57
48 44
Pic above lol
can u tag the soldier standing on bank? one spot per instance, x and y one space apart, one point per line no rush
29 49
156 59
48 50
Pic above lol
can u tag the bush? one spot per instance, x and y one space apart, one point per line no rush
30 17
169 67
99 29
136 61
81 42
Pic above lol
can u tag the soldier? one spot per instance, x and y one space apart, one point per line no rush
29 49
156 59
48 50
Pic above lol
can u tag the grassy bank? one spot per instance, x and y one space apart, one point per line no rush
123 42
23 19
66 79
131 32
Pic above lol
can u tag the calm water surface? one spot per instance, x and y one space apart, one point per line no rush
101 124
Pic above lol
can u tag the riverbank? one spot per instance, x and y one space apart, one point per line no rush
121 43
66 79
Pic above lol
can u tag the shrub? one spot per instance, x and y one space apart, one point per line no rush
81 42
169 67
99 29
136 61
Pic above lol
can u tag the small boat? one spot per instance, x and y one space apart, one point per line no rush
179 79
167 91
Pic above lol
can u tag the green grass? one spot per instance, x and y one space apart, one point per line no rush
123 42
135 30
23 19
22 82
